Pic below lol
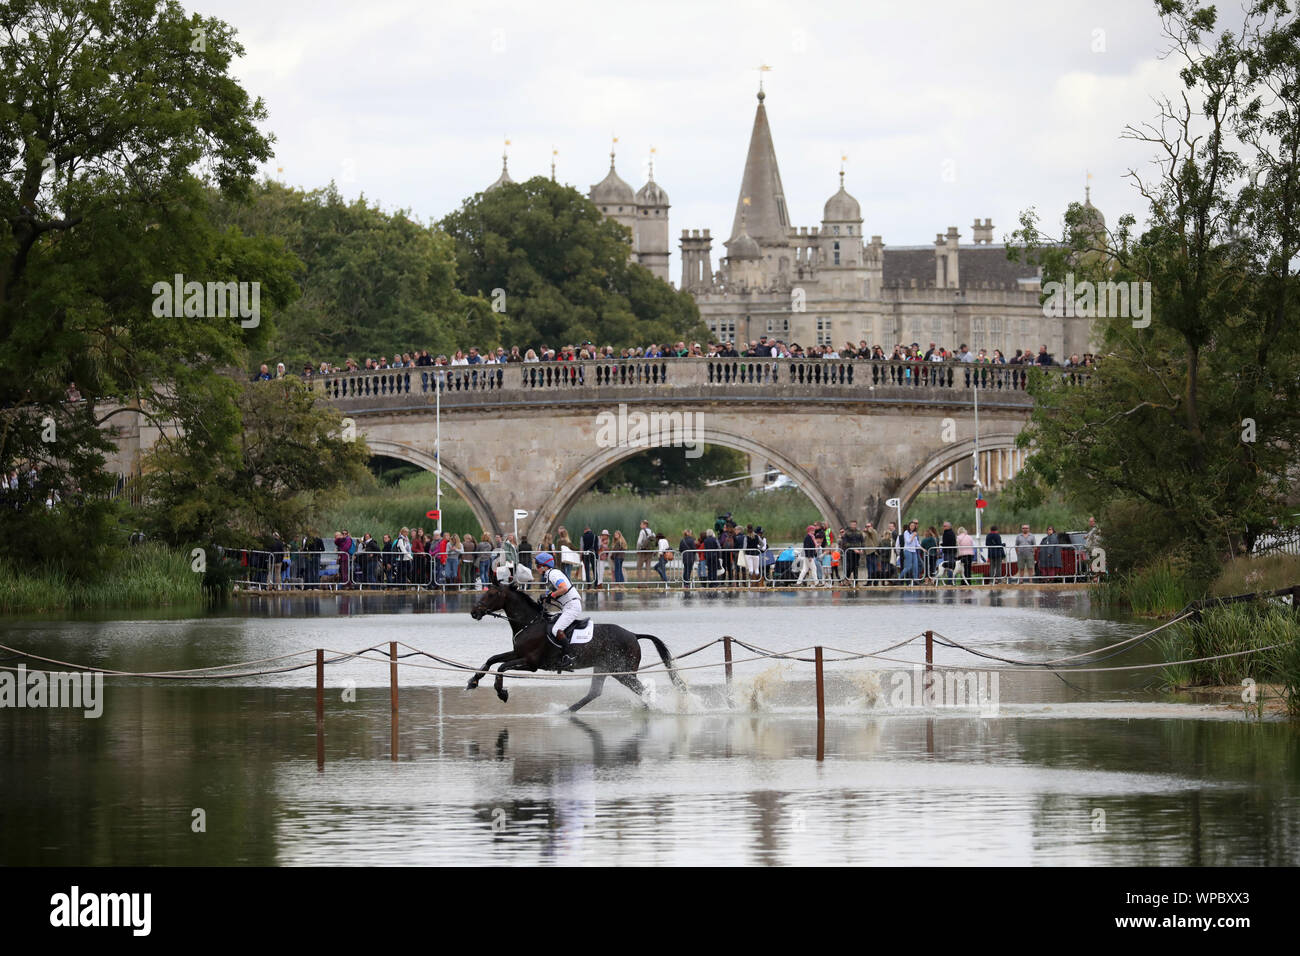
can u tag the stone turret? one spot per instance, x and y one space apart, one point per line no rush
650 239
615 198
697 260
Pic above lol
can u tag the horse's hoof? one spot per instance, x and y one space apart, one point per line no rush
503 694
472 685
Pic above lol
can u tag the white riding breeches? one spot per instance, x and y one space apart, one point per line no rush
569 612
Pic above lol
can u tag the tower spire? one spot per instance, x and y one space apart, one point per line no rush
505 172
761 184
554 152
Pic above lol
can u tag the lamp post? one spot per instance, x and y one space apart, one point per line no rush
437 444
978 486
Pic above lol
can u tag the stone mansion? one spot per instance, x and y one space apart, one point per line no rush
832 284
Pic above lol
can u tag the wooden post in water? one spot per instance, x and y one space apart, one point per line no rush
821 708
726 655
320 709
392 684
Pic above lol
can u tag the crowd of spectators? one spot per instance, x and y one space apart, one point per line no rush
729 553
759 348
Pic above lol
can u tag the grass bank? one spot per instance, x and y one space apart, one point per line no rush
1163 588
1268 630
149 575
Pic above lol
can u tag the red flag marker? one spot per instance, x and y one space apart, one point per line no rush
433 514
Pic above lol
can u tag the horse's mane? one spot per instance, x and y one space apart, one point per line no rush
535 605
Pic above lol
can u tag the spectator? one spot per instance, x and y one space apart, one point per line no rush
661 565
993 543
589 555
645 542
1024 554
687 548
965 553
931 558
1050 562
618 552
948 543
911 552
851 541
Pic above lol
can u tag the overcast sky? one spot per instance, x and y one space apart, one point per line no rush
947 111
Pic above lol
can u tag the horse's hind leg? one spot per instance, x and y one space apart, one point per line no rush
597 685
633 683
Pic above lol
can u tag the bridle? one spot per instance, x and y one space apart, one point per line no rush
516 631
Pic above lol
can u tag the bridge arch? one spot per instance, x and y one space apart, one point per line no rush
945 457
393 449
581 479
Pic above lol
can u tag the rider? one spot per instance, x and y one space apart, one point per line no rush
561 591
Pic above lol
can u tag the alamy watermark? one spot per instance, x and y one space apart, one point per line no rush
210 300
1085 299
20 688
966 690
626 429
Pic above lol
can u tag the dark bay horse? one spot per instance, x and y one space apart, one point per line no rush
611 650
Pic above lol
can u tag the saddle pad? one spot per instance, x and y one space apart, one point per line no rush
583 634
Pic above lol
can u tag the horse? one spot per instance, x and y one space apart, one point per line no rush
612 651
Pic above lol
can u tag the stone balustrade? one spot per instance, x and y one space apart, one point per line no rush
692 380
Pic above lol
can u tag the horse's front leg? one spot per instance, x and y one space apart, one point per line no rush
487 666
500 683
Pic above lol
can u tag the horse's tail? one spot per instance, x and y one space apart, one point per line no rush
667 657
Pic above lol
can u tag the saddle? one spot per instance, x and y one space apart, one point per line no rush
578 625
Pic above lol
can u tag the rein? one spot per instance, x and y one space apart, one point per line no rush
541 613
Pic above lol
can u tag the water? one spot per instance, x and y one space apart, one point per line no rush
1101 770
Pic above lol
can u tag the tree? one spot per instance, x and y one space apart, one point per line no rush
1186 434
563 270
658 469
111 111
371 283
292 459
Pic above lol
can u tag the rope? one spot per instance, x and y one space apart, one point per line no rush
1097 670
448 665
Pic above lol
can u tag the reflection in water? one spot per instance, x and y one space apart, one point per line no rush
693 781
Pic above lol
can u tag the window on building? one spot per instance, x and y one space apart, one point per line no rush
850 230
996 341
1024 330
835 230
977 333
917 334
837 253
823 330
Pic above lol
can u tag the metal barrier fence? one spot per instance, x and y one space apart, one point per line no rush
785 566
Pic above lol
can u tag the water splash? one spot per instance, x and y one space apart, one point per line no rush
867 684
759 693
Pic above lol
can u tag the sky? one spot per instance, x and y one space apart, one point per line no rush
946 111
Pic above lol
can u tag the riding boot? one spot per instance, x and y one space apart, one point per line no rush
566 659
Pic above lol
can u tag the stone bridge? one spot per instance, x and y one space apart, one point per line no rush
537 436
